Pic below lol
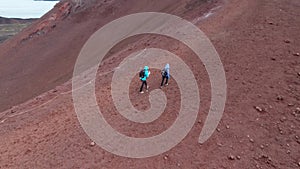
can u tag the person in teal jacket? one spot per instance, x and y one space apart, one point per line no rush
143 78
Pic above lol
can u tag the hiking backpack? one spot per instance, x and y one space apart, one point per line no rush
164 73
142 73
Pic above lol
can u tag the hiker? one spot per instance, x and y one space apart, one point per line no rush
144 74
165 73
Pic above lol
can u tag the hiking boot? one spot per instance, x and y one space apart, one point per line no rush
166 84
142 92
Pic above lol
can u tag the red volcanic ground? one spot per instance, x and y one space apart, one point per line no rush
258 42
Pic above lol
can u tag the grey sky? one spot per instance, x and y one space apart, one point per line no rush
25 8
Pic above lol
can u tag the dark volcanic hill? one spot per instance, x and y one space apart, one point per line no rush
11 26
14 20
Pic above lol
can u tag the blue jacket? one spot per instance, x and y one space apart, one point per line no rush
167 69
146 69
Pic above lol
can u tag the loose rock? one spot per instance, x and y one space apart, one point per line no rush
231 157
258 109
283 119
219 144
287 41
296 54
92 144
269 160
280 98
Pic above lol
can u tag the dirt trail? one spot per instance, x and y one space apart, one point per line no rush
257 41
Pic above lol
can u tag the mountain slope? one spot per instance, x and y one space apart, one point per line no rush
43 55
258 42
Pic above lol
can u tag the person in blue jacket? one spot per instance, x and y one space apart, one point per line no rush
144 74
165 73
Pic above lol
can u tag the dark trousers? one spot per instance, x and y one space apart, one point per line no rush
163 79
143 83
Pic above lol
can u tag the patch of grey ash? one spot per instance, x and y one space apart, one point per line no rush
206 15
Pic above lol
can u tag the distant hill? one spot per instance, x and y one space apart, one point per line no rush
14 20
11 26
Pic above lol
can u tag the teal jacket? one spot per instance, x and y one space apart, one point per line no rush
146 68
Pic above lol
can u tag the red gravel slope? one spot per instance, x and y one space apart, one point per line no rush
258 42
